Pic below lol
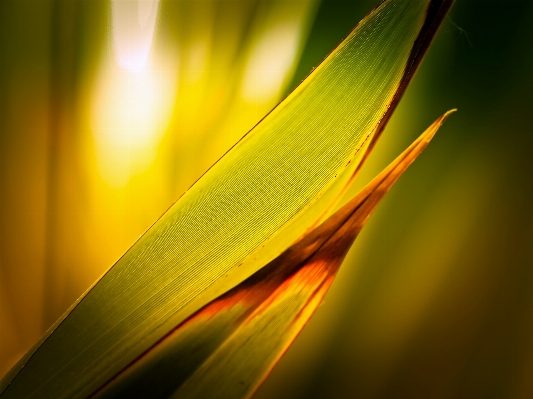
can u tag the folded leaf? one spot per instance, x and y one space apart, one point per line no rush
251 205
226 349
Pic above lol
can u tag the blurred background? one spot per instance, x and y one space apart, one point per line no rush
109 110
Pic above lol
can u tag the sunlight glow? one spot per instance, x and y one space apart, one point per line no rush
133 24
269 63
135 91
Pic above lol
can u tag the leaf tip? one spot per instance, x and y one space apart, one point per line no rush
432 130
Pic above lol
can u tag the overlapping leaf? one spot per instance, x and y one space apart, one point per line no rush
226 349
249 207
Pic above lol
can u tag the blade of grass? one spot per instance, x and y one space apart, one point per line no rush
227 348
267 181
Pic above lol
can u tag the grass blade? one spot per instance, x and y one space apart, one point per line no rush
226 349
249 207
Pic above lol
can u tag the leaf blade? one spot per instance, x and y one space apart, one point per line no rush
214 226
239 337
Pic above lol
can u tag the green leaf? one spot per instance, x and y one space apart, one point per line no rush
227 348
271 187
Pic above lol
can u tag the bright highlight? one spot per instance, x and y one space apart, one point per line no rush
133 24
270 62
134 96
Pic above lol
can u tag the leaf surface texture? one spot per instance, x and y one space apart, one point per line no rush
226 349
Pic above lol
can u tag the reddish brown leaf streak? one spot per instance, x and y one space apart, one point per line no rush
435 13
310 277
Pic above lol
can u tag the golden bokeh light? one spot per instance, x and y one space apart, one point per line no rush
133 25
271 59
134 95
